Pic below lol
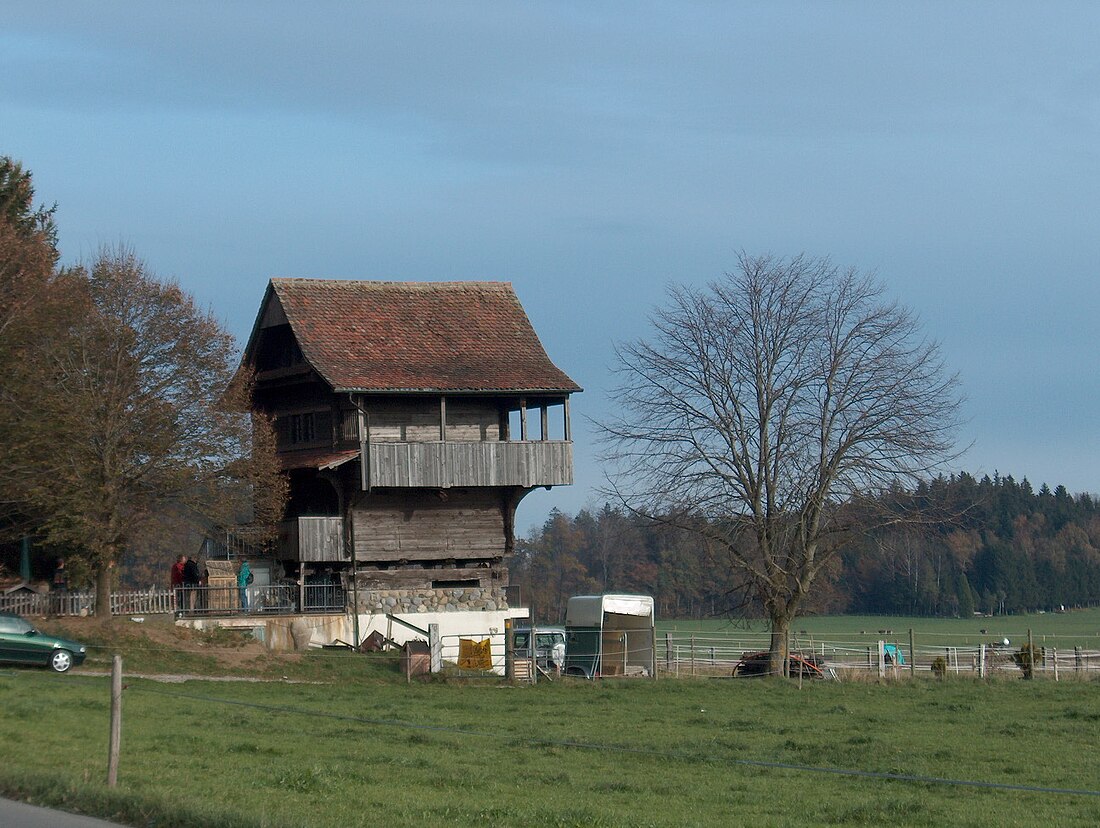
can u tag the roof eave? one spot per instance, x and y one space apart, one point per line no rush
462 391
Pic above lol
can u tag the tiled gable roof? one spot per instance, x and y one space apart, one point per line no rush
417 336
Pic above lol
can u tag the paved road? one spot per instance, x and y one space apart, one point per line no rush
21 815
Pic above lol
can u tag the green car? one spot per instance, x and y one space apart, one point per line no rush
21 643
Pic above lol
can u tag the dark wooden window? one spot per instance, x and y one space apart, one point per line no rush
302 429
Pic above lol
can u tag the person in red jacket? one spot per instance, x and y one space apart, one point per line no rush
177 580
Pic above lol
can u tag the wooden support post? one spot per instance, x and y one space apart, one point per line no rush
1076 659
532 653
435 648
1054 652
668 652
653 652
509 653
443 419
544 424
693 654
363 432
881 659
912 655
568 425
303 571
1030 654
523 420
981 661
115 742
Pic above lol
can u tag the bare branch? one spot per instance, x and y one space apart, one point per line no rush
764 403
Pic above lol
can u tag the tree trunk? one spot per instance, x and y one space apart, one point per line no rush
103 592
781 627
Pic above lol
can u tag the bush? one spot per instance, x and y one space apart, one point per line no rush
1026 658
939 667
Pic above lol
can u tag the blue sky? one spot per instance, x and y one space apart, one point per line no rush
593 154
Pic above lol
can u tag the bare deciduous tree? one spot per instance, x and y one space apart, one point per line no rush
764 406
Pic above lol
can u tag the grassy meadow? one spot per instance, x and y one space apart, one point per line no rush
1079 628
358 746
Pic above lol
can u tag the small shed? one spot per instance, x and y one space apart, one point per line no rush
610 635
416 658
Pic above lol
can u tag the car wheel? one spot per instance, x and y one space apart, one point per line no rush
61 661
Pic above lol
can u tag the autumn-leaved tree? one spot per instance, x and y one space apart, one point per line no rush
136 417
764 406
34 304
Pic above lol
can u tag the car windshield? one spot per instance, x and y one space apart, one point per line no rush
18 626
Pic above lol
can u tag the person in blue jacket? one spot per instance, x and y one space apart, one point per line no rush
244 578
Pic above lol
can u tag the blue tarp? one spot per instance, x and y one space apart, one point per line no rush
893 653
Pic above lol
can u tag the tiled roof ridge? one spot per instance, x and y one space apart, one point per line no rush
379 284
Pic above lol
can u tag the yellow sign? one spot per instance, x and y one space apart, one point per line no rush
474 655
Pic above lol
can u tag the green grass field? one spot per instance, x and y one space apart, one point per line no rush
1064 630
364 748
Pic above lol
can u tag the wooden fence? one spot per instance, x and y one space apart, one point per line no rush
84 603
274 599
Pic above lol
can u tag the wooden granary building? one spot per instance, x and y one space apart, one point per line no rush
412 419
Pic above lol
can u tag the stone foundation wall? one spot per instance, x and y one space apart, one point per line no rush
432 600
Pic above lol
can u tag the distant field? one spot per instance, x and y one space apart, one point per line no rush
1064 630
375 751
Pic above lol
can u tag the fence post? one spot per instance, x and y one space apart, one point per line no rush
1076 659
1030 655
981 661
509 656
1054 652
787 660
693 654
532 654
881 659
435 647
668 652
912 656
115 741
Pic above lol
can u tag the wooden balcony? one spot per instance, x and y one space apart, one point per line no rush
441 465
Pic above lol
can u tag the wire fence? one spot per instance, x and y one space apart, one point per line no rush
315 714
741 654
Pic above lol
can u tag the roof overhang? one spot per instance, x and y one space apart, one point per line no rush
319 459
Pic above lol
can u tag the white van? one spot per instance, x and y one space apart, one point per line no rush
549 645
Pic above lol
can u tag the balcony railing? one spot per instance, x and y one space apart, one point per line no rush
444 464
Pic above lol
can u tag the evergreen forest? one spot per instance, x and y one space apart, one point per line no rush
992 546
